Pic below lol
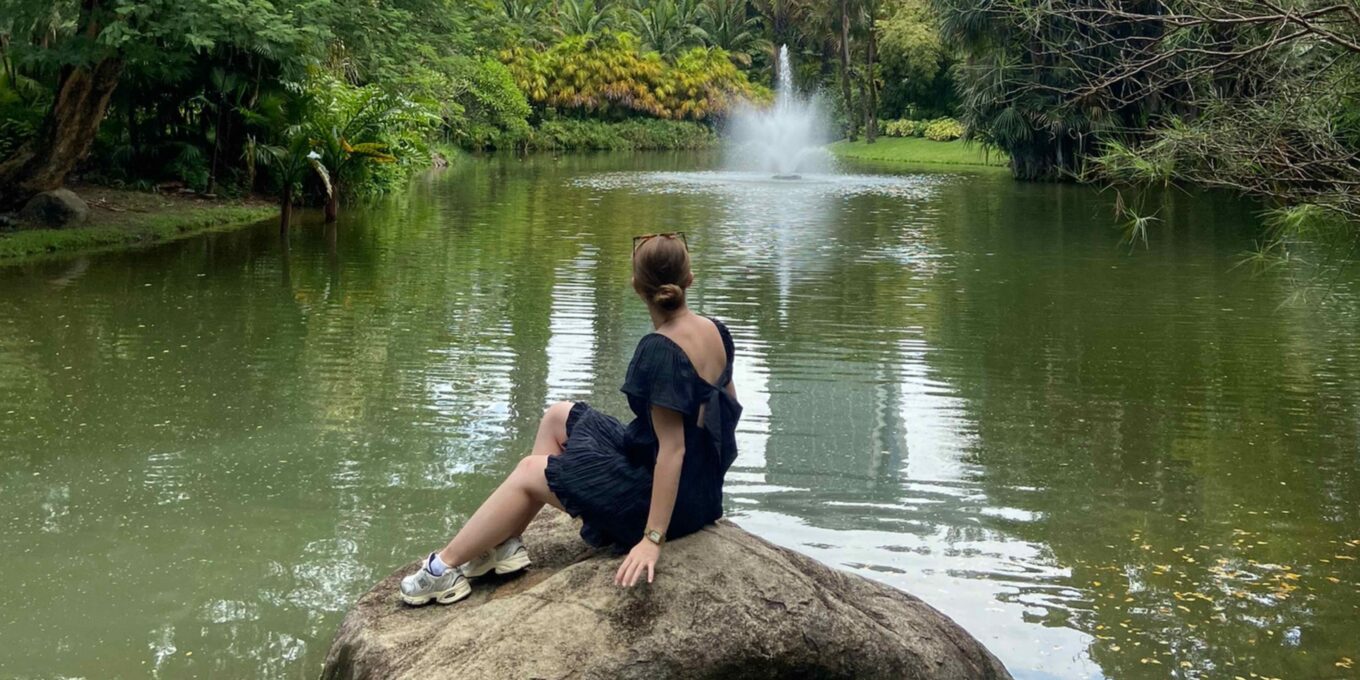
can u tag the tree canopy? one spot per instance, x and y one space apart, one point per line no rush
1257 96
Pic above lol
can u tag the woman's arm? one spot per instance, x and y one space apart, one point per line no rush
670 456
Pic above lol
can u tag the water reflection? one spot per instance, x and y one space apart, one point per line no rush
571 345
1101 463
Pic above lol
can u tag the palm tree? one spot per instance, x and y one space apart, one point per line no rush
782 19
667 26
528 16
727 25
584 17
292 164
349 127
796 23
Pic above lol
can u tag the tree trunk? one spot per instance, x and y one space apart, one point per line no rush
217 143
871 102
286 207
333 206
852 133
70 127
81 100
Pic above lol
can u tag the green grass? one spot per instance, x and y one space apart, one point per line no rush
919 151
176 222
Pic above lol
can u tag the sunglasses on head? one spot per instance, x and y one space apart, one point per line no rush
639 240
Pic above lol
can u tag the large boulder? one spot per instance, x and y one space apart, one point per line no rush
725 604
56 208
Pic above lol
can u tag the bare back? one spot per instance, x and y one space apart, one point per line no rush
702 343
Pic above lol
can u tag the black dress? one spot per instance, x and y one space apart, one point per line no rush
604 473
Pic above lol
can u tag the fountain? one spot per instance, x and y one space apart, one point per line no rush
767 148
785 139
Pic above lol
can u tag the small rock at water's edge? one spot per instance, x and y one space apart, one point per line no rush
725 604
56 208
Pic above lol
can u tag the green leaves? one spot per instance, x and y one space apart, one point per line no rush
610 74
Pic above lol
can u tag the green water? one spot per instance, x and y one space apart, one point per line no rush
1102 462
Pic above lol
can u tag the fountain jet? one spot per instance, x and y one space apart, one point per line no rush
785 139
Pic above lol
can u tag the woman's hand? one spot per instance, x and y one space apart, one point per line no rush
641 559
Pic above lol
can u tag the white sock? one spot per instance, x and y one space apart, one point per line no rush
435 565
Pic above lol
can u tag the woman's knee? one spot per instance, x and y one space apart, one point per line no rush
557 413
555 420
530 468
531 475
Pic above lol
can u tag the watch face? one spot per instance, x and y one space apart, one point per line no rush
654 536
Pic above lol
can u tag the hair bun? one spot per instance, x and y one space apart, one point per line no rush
668 296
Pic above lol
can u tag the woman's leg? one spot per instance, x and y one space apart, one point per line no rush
552 429
510 508
505 513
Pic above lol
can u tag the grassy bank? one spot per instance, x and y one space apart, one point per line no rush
125 218
919 151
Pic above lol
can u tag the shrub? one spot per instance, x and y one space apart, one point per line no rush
944 130
610 75
13 133
368 139
629 135
477 101
23 102
905 128
939 129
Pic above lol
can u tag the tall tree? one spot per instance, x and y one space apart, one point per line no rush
108 38
82 98
871 9
783 18
852 121
913 65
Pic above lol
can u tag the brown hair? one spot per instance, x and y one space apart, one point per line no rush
661 271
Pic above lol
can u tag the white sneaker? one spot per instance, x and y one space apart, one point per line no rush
506 558
423 586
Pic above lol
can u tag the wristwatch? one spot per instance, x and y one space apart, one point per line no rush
655 536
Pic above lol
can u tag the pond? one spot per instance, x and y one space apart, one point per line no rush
1102 460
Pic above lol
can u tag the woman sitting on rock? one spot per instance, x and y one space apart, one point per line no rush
635 485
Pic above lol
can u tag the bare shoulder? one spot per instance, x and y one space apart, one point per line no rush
702 342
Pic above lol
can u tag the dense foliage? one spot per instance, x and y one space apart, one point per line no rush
232 96
1258 97
607 75
326 99
937 130
194 92
638 134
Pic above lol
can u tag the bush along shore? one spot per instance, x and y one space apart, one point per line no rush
123 218
629 135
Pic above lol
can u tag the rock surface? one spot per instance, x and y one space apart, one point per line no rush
725 604
56 208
